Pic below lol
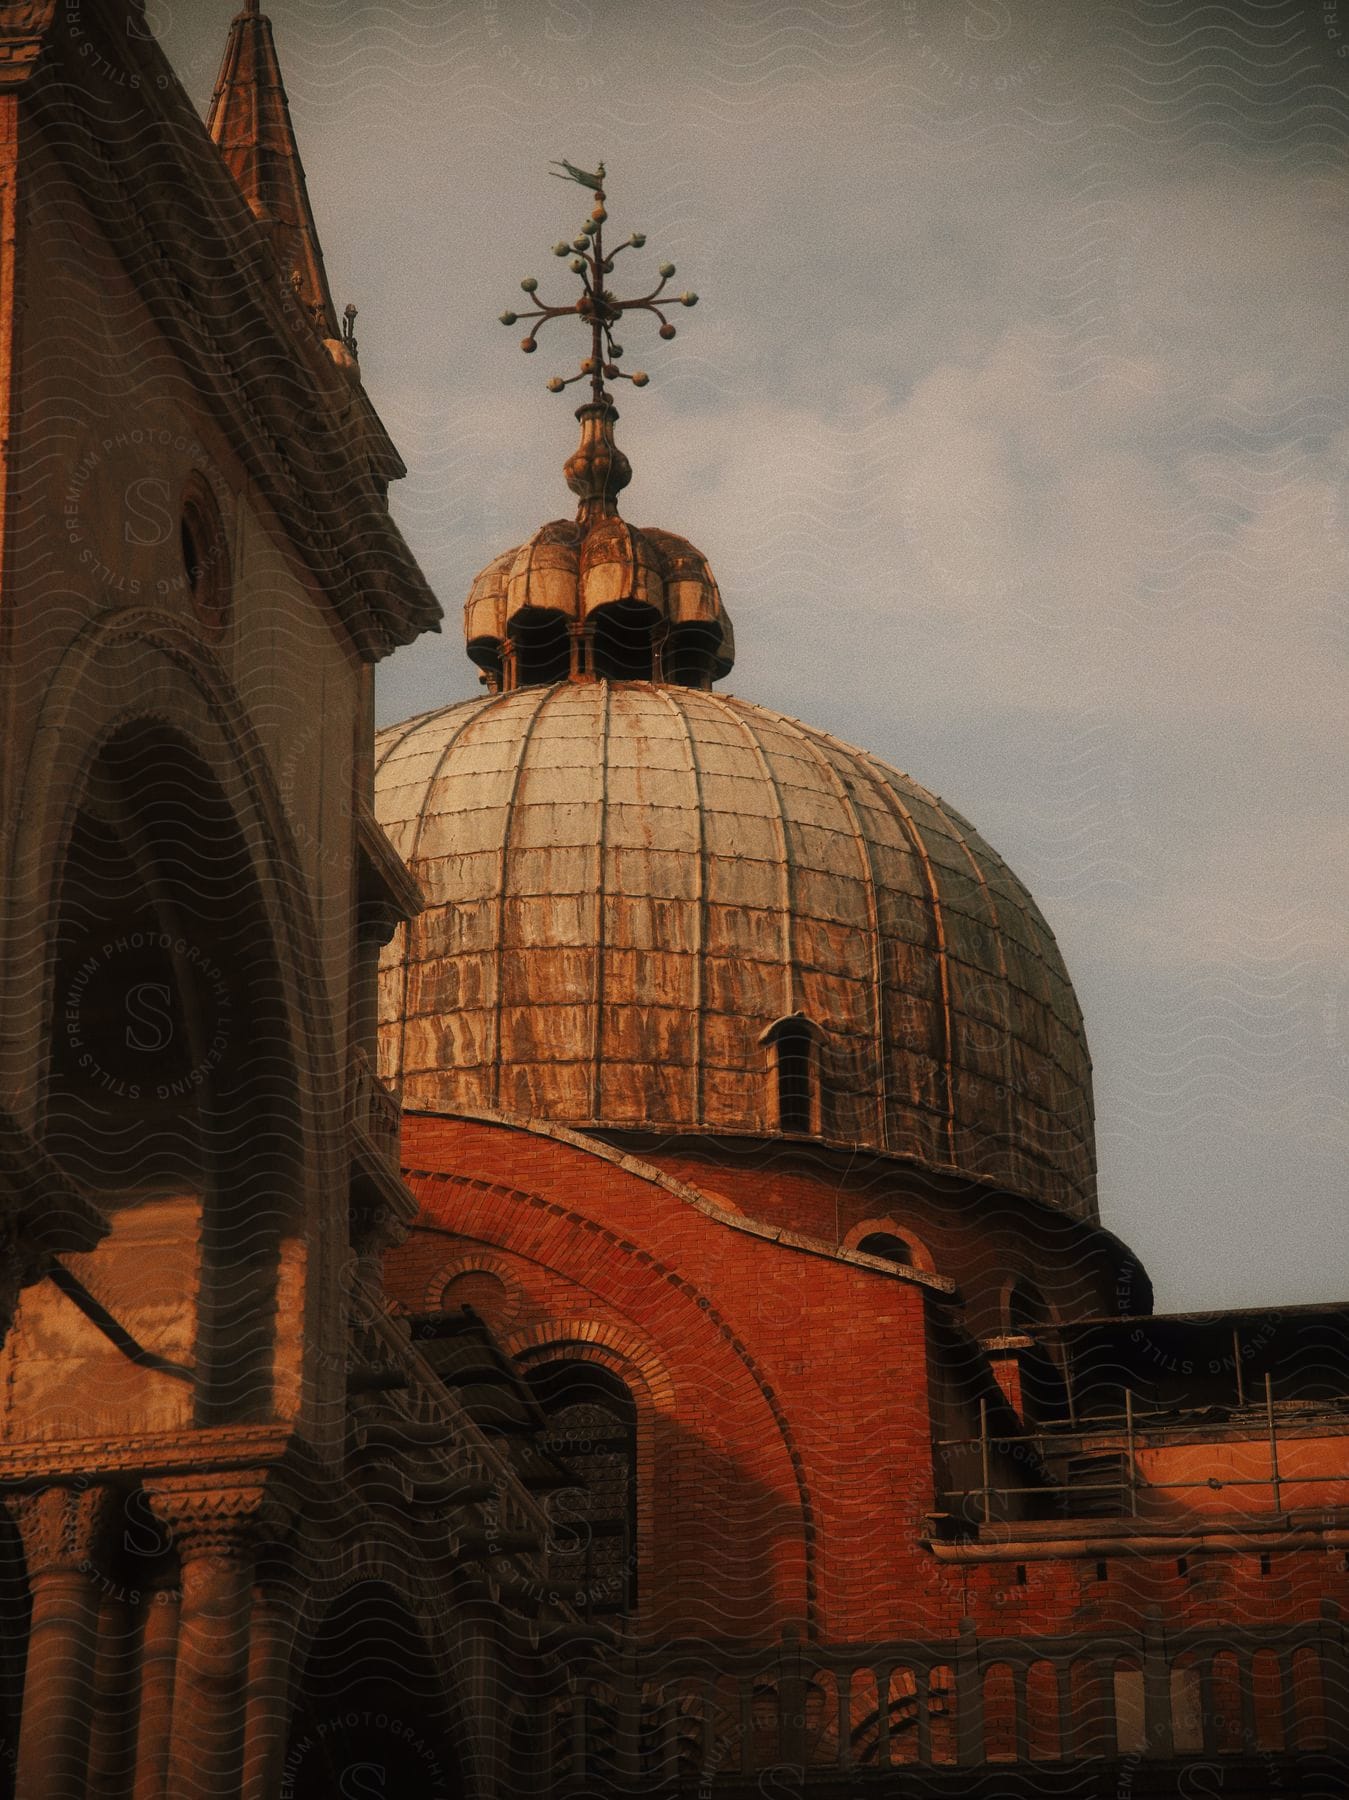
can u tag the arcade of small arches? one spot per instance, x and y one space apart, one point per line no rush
622 641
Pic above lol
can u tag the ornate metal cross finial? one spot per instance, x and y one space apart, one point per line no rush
597 307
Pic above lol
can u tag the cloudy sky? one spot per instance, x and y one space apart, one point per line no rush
1013 421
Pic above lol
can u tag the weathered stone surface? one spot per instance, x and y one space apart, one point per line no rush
629 883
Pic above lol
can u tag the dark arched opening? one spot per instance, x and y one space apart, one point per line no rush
794 1045
1043 1388
886 1244
622 644
373 1717
171 1071
542 647
592 1431
1026 1309
689 658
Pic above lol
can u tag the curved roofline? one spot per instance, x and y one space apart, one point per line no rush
956 1103
688 1194
860 1154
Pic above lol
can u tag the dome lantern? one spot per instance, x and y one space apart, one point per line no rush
597 597
657 911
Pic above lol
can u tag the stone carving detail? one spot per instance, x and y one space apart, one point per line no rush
210 1515
23 30
62 1528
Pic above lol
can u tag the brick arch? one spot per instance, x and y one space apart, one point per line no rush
633 1359
625 1353
425 1182
890 1226
1023 1286
473 1262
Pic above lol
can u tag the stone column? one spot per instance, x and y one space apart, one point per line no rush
267 1723
111 1741
660 644
158 1647
62 1530
217 1522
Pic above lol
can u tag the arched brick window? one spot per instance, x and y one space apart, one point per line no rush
888 1244
592 1432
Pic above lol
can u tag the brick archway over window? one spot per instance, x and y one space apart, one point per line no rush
896 1231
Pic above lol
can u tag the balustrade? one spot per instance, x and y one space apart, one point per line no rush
375 1110
711 1713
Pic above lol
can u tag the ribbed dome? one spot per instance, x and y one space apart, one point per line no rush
629 885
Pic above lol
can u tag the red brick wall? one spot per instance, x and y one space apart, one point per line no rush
784 1406
981 1239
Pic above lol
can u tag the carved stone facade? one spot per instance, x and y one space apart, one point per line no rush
251 1542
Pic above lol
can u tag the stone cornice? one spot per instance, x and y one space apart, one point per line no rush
687 1193
221 1448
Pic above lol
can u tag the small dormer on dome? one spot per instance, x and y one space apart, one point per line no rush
595 597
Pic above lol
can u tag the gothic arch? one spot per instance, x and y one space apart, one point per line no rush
169 801
182 688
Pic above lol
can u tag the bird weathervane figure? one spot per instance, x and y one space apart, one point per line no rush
597 307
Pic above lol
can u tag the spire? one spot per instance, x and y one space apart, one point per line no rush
597 469
250 122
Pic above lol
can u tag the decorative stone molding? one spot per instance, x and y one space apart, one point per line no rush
62 1528
235 1448
208 1516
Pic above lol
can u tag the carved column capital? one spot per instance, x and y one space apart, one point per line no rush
219 1515
62 1528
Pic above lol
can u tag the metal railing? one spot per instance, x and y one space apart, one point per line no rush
1122 1436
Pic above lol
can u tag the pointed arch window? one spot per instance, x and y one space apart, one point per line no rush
794 1046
